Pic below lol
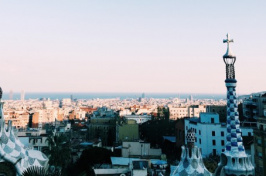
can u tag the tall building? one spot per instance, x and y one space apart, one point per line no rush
11 95
234 160
255 107
22 95
71 97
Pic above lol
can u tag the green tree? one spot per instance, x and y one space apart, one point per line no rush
93 157
211 162
163 113
59 150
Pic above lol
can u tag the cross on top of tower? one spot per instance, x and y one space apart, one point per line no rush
228 40
228 53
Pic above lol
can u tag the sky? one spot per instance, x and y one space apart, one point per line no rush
161 46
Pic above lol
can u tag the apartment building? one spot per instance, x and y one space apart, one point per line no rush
177 112
210 133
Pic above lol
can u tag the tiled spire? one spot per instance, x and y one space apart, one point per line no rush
191 160
234 161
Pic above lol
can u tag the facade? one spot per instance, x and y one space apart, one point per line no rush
259 108
140 149
177 112
210 134
260 146
20 119
180 132
43 116
103 126
219 109
138 118
127 131
139 168
234 160
255 106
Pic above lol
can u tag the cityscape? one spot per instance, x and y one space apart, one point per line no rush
86 89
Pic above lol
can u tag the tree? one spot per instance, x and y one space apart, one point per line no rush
59 150
211 162
93 157
163 113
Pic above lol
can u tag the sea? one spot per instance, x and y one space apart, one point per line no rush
59 96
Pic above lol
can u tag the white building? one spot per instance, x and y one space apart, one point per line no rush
139 149
66 102
139 118
125 112
210 133
177 112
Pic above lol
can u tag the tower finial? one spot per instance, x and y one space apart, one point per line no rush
229 59
228 53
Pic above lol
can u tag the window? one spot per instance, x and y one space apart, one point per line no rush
222 142
199 141
213 142
214 152
199 132
249 133
35 147
260 155
259 142
212 120
195 130
213 133
222 133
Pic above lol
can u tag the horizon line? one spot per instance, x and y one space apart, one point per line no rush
67 92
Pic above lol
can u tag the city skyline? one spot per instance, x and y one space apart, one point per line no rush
150 46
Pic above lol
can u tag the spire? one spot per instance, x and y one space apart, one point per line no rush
234 160
229 53
229 59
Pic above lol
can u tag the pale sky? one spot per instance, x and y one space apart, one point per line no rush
130 46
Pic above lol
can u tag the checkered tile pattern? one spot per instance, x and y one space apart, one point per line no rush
190 136
12 150
234 139
191 163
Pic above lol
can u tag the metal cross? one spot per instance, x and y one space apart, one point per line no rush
228 40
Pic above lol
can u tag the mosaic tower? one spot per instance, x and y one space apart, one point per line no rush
234 161
191 163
